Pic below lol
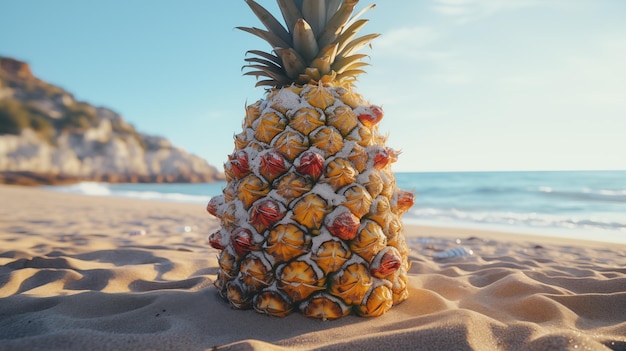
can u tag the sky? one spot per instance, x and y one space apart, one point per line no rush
466 85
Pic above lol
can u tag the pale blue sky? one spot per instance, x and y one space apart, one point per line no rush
465 84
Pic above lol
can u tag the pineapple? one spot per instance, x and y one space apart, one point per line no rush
311 215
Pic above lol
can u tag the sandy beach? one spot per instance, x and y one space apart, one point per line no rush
97 273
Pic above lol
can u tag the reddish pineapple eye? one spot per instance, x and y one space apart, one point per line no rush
212 209
372 118
390 263
266 213
311 164
381 159
239 164
215 240
242 241
406 199
345 226
377 111
384 157
272 165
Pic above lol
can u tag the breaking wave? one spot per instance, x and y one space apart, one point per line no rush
522 220
189 193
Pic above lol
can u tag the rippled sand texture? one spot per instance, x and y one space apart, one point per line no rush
91 273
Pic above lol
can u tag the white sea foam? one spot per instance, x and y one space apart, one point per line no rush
523 220
606 194
545 189
86 188
153 195
586 194
132 191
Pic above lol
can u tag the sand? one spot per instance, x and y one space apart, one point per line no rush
97 273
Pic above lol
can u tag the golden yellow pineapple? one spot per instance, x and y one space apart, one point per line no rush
311 215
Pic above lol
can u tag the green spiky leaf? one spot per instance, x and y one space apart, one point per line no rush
266 56
304 40
293 63
357 44
291 13
269 21
345 63
269 37
314 12
336 23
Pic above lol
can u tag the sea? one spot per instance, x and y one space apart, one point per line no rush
586 205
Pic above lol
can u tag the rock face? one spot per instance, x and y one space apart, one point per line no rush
46 136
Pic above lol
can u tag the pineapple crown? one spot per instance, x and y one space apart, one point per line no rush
317 44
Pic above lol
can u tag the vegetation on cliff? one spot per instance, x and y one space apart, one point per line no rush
45 130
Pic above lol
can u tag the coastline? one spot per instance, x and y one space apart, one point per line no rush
103 273
580 205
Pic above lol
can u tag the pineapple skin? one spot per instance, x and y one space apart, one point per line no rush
310 218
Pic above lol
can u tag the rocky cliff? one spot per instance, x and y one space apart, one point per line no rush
46 136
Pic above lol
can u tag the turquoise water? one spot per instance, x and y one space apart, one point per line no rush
575 204
587 204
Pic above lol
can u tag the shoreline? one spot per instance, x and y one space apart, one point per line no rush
555 235
516 234
27 178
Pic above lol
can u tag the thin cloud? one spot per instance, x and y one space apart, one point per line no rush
466 11
407 36
410 43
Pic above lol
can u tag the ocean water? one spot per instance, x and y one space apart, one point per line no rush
573 204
